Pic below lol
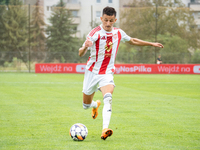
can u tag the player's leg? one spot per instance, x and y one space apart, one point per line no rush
87 99
88 103
107 89
89 88
107 109
107 99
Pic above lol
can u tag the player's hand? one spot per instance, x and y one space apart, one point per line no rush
157 45
88 43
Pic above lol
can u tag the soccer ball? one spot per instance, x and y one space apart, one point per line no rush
78 132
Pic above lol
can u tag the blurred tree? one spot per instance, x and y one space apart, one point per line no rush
37 31
15 22
60 39
4 2
2 27
175 51
173 18
196 57
126 54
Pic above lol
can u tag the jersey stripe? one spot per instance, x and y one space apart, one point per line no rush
97 47
119 39
91 67
88 59
97 51
107 57
94 31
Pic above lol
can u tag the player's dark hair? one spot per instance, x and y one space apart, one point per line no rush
110 11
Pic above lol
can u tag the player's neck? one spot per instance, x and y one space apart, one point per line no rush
107 30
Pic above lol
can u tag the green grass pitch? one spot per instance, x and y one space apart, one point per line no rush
148 112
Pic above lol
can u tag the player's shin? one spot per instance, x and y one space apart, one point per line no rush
107 109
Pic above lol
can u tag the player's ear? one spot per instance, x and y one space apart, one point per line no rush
115 19
101 18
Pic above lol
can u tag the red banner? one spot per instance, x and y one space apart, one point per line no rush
60 68
123 68
157 69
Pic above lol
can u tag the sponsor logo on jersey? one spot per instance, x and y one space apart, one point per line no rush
108 46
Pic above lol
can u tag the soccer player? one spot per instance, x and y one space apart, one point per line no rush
103 43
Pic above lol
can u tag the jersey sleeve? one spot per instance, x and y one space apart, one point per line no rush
92 36
124 36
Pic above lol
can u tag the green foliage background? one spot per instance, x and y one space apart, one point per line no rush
60 41
171 24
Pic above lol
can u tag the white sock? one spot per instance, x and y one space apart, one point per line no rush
93 104
107 109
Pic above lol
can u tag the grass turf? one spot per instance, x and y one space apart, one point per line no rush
149 112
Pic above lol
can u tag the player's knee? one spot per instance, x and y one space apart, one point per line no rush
107 98
86 106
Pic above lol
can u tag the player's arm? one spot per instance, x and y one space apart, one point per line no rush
138 42
83 50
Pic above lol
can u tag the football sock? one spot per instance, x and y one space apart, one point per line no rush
93 104
107 109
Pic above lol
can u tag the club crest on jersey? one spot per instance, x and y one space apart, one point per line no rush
108 46
103 38
115 36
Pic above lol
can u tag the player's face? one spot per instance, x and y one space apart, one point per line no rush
108 22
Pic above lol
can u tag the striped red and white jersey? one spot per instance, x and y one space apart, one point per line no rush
104 49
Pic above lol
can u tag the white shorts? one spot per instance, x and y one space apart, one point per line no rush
91 81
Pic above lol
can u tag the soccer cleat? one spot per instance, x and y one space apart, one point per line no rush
106 133
95 110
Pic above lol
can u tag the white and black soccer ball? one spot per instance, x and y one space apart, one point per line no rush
78 132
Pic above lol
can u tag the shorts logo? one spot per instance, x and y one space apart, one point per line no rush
196 69
80 68
111 81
